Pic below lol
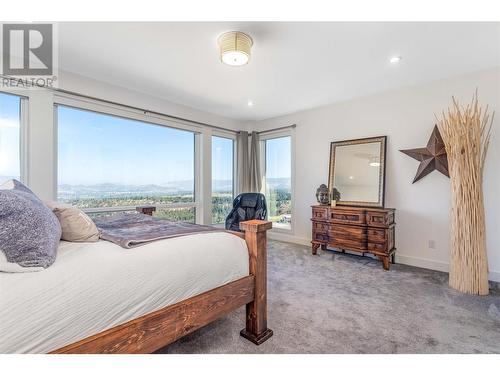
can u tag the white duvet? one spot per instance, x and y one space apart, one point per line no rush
94 286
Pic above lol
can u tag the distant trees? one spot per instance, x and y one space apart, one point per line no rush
132 200
177 214
221 205
279 205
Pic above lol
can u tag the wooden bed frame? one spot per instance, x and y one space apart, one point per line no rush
155 330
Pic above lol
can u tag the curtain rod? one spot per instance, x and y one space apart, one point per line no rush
276 129
146 111
68 92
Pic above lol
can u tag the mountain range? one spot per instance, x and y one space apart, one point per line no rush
185 187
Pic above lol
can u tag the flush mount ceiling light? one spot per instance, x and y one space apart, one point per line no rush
250 103
395 59
235 48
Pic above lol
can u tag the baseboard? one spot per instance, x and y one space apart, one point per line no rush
284 237
436 265
400 258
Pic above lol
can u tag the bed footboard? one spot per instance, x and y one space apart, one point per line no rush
162 327
256 320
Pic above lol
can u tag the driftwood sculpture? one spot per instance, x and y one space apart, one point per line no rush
466 133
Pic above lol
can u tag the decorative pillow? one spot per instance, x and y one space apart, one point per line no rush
75 224
29 231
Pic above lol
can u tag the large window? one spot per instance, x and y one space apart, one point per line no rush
222 178
106 161
10 137
278 181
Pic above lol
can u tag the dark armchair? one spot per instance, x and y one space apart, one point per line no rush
246 206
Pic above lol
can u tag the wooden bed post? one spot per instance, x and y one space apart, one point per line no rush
256 321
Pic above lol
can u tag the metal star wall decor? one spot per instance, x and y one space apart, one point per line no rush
431 157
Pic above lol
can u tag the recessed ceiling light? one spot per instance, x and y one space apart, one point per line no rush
250 103
351 177
395 59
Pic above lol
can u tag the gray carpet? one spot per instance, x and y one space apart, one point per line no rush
347 304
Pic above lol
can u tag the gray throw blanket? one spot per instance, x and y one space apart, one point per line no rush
132 230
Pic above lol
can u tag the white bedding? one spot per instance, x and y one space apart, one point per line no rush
94 286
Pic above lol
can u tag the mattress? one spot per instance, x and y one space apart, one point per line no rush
95 286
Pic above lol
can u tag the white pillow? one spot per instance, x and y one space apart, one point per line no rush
76 225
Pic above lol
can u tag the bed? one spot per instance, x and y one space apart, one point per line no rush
100 298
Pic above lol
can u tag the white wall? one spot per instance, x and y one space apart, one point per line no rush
407 117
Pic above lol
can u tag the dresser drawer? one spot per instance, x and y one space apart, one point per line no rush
320 237
378 247
320 213
320 227
348 217
348 232
377 235
379 218
343 243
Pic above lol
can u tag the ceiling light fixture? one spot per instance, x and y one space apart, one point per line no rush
235 48
395 59
250 103
374 162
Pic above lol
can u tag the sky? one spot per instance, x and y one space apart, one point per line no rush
222 161
9 137
96 148
278 158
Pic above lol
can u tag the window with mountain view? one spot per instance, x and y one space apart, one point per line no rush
10 135
278 181
222 178
108 161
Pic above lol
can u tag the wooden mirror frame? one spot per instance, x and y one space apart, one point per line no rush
381 188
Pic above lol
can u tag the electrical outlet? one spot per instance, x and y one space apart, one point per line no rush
432 244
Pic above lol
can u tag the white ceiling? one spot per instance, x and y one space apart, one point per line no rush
294 66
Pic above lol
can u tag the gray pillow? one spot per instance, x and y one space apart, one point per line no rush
29 231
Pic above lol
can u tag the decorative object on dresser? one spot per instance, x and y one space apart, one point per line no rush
335 196
363 230
322 194
357 172
466 132
432 157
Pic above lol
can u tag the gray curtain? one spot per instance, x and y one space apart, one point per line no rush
242 165
255 183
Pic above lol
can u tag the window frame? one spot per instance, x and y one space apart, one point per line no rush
23 135
136 115
262 140
232 137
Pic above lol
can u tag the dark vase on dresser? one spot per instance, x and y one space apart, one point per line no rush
363 230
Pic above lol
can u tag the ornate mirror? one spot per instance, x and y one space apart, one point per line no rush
357 171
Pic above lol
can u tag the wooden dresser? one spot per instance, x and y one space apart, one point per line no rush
364 230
